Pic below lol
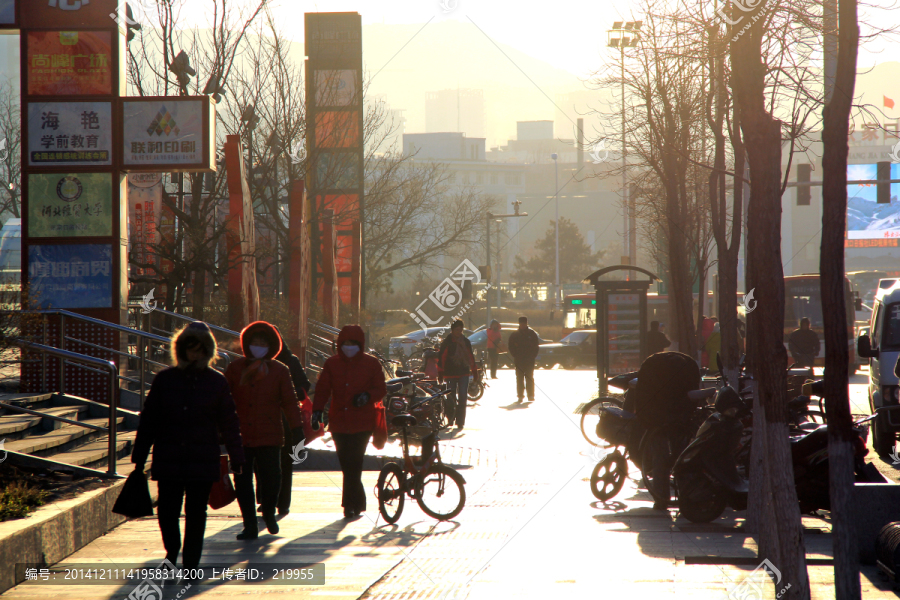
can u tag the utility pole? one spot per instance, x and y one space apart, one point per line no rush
491 216
555 158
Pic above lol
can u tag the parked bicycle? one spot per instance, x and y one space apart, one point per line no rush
437 488
478 381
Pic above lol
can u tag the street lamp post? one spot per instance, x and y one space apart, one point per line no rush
555 158
621 36
491 216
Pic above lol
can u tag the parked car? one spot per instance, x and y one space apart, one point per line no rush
578 349
479 344
402 346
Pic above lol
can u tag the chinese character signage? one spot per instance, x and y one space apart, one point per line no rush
167 133
71 275
7 12
67 14
866 219
145 192
336 88
74 63
69 133
70 204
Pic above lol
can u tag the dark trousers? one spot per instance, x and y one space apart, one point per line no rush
194 495
267 461
525 380
351 449
666 445
287 469
458 398
494 356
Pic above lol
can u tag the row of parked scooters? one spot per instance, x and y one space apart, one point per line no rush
711 472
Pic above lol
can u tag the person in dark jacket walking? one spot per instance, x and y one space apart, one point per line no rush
188 406
301 386
656 339
354 382
455 365
263 392
494 342
524 346
804 345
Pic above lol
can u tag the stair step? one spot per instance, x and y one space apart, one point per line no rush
15 425
43 443
96 451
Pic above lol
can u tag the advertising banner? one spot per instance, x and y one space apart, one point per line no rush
866 219
68 14
336 87
337 129
7 12
69 133
70 204
72 63
71 275
145 192
166 133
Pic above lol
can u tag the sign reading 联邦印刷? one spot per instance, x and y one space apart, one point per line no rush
168 133
69 133
71 275
70 204
72 63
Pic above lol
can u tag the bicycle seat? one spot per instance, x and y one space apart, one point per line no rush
697 395
404 420
402 373
799 403
395 385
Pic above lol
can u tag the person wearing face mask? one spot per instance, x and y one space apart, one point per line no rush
354 382
263 392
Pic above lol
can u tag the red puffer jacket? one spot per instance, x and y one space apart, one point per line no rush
342 378
263 390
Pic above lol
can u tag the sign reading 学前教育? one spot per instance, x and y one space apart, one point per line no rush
70 134
71 275
71 63
168 134
70 204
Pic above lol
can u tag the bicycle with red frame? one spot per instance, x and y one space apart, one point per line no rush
438 489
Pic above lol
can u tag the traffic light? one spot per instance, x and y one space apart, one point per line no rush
883 195
804 192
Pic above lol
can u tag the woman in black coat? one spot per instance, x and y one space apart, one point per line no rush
188 407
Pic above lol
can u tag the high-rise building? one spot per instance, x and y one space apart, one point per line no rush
459 110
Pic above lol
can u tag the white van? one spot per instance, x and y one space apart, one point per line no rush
881 345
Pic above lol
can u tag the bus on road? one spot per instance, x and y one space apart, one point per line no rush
803 298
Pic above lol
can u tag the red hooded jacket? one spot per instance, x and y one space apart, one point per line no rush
342 378
261 398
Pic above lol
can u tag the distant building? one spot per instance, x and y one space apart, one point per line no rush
455 110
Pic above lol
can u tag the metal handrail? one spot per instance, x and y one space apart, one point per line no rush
54 417
66 357
175 315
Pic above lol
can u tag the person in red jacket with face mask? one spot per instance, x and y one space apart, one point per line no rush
354 382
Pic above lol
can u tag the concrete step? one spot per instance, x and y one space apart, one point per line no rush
95 454
15 426
60 440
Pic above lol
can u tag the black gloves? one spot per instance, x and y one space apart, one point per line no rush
316 419
361 399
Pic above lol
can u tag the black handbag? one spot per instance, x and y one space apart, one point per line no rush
134 498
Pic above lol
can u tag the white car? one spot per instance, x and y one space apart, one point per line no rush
401 347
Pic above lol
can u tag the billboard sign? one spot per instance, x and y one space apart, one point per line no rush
67 14
7 13
168 134
866 219
71 275
70 133
71 63
145 191
70 205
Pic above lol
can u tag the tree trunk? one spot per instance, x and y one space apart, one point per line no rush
831 266
762 139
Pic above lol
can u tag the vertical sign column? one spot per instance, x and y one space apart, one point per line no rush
73 235
334 99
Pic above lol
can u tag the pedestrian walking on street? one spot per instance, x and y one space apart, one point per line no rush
494 343
456 364
354 382
523 346
188 407
804 345
301 386
656 339
263 392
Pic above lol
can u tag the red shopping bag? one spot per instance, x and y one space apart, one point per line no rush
380 434
306 409
222 493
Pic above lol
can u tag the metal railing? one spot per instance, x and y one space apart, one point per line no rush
67 357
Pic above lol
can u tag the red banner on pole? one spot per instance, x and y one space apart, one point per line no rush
243 297
299 271
356 237
330 298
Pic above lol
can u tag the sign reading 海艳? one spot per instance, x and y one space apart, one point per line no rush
69 133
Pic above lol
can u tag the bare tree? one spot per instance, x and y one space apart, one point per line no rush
10 149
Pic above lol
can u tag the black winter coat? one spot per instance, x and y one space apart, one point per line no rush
183 415
298 374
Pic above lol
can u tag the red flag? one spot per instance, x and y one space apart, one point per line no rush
888 102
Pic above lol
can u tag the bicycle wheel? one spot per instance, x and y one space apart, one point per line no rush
609 476
441 493
390 492
476 390
590 416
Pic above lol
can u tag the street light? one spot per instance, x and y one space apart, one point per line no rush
491 216
555 156
623 36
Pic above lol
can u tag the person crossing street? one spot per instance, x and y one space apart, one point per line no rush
523 346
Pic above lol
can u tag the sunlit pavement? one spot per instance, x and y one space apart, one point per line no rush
530 528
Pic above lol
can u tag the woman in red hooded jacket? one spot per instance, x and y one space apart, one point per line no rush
354 382
263 392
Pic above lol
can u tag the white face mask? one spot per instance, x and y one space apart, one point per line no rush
259 351
350 350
